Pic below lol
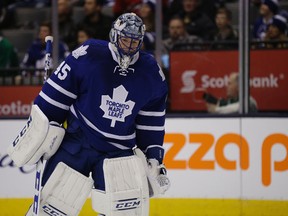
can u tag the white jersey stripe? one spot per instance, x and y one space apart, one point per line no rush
150 128
119 146
108 135
60 89
53 102
153 146
146 113
73 111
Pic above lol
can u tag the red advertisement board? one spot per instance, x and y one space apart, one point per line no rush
15 101
192 73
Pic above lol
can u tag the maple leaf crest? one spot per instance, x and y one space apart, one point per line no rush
117 108
80 51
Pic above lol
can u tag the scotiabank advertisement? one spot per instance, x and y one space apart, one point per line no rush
193 73
16 101
207 158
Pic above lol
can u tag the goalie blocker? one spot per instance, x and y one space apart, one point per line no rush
38 138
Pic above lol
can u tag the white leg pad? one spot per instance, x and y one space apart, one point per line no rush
65 192
126 186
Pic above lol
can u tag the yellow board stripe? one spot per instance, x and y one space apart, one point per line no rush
179 207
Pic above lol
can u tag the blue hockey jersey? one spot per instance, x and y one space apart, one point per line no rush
35 55
260 28
113 107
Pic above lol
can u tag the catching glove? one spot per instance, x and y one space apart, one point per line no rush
157 177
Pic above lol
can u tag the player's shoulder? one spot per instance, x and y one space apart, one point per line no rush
90 48
147 59
151 65
94 45
146 55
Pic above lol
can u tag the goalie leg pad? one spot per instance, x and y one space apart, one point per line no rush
126 188
38 137
65 192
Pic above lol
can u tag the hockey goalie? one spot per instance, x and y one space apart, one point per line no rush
112 97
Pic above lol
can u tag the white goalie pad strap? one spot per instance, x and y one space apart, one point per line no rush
158 183
65 192
38 137
126 188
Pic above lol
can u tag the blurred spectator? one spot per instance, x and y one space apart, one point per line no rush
109 3
225 36
83 34
94 20
231 103
208 7
67 28
149 42
123 6
267 10
29 3
8 54
276 36
8 60
35 56
256 3
147 14
196 22
7 18
178 36
77 3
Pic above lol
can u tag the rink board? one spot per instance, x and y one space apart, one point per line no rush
217 166
179 207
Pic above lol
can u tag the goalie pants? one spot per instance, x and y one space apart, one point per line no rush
82 159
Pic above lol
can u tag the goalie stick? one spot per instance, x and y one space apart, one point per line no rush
40 163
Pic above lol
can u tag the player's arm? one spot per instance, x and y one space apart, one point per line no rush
150 133
229 108
150 120
60 91
42 135
150 129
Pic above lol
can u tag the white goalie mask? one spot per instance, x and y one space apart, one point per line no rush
127 35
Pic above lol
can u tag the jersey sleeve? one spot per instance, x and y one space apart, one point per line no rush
62 88
150 123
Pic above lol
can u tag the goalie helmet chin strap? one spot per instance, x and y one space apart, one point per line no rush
124 61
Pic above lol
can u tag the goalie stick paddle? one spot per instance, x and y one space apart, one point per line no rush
40 163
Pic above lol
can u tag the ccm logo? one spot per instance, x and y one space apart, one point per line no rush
127 204
52 211
207 141
23 131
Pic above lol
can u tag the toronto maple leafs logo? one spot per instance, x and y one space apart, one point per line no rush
80 51
117 108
